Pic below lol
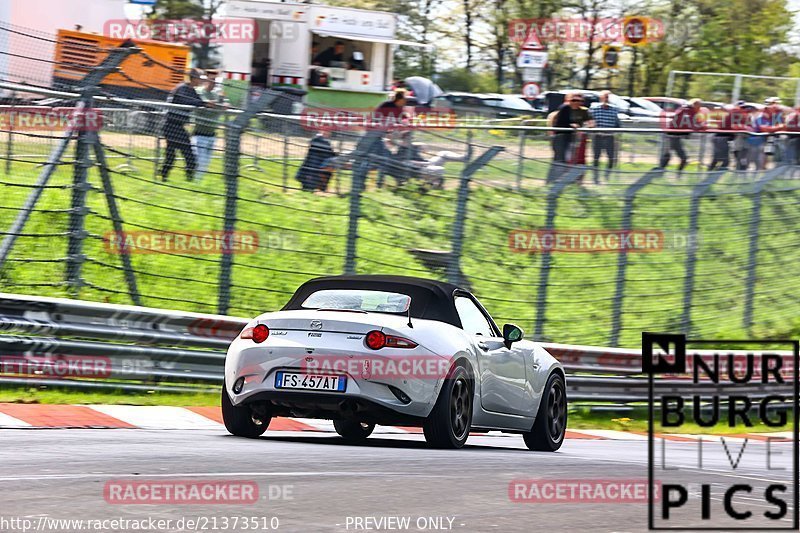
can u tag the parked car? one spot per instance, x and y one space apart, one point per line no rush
552 100
638 105
666 103
497 106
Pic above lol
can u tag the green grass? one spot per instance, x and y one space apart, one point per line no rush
33 395
303 235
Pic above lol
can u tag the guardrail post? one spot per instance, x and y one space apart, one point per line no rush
622 260
454 274
573 175
233 142
691 257
754 233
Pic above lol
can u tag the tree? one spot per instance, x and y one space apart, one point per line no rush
203 49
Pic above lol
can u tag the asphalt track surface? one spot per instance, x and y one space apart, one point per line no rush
61 474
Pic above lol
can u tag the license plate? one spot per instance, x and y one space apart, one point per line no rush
293 380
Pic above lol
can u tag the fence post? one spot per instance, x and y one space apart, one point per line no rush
622 260
233 141
754 233
573 174
116 220
454 274
361 166
10 143
285 154
77 216
91 80
521 159
691 257
454 265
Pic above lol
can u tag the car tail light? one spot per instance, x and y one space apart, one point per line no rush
258 333
377 339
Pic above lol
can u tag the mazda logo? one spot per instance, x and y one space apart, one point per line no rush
316 324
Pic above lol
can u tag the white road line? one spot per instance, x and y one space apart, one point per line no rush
610 434
221 475
9 422
317 423
157 417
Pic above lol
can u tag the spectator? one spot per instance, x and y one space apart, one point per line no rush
731 120
740 120
317 168
393 107
175 125
686 118
205 126
605 115
357 61
774 122
331 57
793 141
386 116
315 53
573 115
757 140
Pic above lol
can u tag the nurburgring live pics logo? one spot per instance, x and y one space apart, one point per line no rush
745 482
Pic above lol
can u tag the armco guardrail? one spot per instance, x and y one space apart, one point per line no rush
48 341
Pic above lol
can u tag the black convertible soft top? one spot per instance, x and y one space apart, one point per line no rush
430 299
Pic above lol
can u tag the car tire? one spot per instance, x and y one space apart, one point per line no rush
239 419
450 420
353 430
550 426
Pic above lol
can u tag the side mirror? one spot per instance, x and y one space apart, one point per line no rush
511 334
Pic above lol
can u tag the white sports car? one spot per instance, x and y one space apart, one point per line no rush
391 350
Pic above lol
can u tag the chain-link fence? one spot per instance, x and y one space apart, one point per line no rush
569 254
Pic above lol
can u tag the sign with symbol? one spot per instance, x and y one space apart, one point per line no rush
531 90
531 74
634 31
531 59
610 56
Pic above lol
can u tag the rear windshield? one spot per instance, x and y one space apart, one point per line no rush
358 300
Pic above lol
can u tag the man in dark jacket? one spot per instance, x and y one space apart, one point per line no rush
685 119
572 115
316 169
175 125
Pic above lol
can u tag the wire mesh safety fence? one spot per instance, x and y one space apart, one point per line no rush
569 254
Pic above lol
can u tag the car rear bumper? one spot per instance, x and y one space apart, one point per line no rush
332 406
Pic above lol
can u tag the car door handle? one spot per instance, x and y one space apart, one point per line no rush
483 346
